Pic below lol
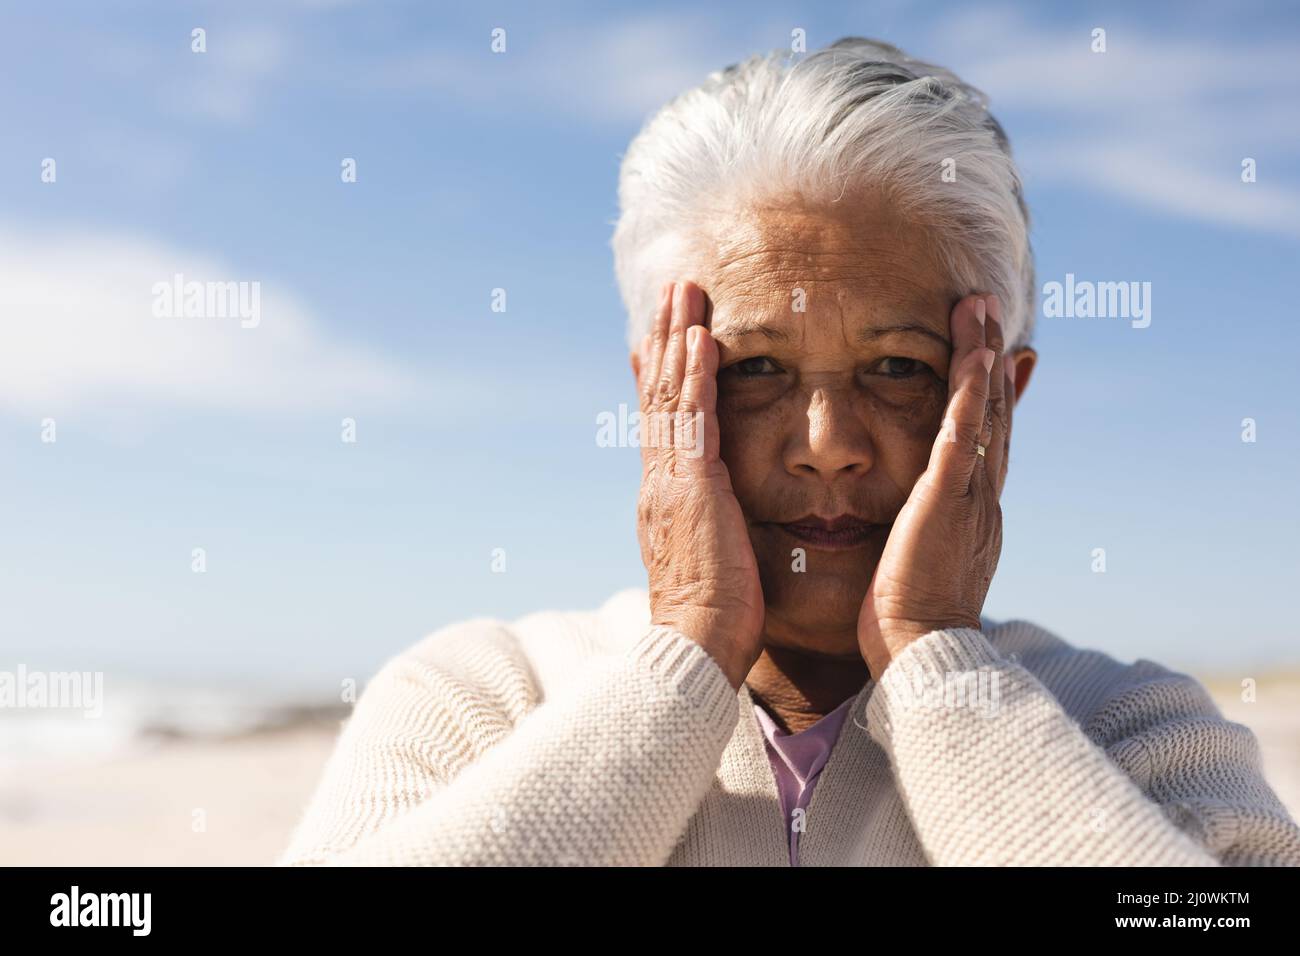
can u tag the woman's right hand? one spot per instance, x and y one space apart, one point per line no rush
694 541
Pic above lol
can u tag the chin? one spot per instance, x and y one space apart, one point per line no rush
816 609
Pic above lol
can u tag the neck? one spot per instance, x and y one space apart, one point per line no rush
799 688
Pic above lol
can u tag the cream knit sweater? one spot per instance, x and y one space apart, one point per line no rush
593 739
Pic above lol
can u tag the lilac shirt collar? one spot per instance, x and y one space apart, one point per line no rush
797 761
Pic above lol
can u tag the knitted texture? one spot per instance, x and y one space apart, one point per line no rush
591 738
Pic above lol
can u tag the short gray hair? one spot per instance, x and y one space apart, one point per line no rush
857 114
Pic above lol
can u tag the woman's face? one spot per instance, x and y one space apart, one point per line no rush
828 414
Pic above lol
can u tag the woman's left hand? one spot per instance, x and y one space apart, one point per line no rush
943 548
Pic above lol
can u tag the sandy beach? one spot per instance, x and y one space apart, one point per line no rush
234 802
197 803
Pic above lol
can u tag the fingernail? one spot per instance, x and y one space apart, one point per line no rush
979 311
987 359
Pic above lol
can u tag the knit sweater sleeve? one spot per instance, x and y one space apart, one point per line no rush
433 769
993 770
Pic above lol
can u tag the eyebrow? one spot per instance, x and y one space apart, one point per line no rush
742 328
875 332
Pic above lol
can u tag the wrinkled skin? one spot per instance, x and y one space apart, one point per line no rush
869 402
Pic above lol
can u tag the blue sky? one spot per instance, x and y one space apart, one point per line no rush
475 429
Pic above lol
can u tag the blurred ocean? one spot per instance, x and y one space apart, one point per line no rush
137 716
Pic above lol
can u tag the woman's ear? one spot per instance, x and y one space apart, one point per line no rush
1022 362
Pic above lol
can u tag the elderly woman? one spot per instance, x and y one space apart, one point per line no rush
830 289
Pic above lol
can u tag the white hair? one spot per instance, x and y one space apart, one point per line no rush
858 115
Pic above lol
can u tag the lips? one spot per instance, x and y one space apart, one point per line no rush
831 534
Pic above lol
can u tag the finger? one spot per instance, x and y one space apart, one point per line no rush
639 363
686 310
954 455
697 412
967 326
653 358
649 383
1009 384
686 302
995 426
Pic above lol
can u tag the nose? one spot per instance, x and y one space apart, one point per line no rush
836 442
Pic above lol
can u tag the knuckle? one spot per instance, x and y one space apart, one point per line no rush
667 391
657 339
994 339
966 431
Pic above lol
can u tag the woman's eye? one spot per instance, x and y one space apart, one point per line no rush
759 365
896 366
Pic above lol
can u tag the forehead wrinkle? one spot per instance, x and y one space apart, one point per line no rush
783 328
877 271
862 315
877 277
768 315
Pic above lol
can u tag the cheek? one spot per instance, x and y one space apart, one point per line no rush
904 428
750 445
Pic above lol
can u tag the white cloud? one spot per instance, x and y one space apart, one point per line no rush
1173 183
77 332
1162 121
1158 120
